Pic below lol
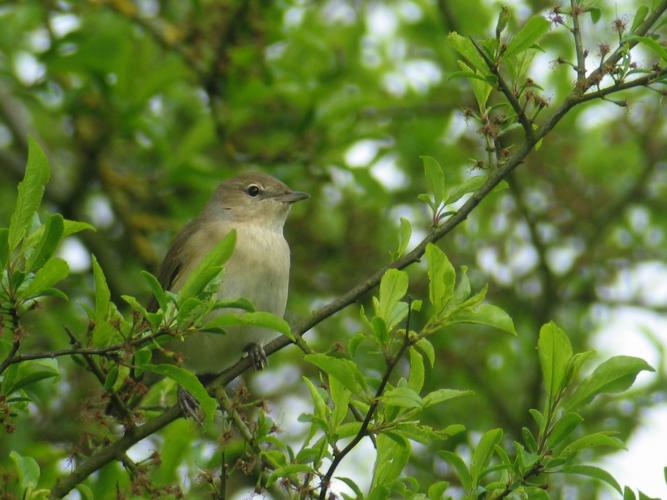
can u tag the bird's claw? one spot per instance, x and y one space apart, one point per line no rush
257 356
189 406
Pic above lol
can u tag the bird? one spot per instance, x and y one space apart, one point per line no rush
256 206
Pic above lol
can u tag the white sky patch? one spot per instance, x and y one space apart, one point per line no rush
387 173
456 127
75 254
409 11
362 153
336 12
421 74
598 114
101 213
148 8
293 17
28 69
381 21
141 450
394 83
39 40
62 24
358 466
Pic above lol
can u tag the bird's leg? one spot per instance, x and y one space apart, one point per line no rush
189 405
257 356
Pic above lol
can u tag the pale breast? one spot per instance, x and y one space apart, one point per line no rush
258 270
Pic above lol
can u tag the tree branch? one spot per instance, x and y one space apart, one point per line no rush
578 45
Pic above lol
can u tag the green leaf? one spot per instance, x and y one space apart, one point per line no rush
467 50
403 397
469 185
393 287
459 465
51 273
30 372
435 177
344 370
190 383
441 395
595 473
436 490
352 485
392 455
404 233
441 276
595 14
416 375
532 31
485 314
640 15
340 396
483 452
102 293
4 247
555 351
51 236
563 428
628 494
426 348
30 192
258 318
651 44
288 470
156 289
74 226
592 441
320 406
208 268
27 469
614 375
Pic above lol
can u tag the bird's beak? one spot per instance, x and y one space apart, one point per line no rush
292 196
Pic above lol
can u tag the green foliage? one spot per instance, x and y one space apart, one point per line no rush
143 110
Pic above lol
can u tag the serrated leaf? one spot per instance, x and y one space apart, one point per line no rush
392 455
483 452
340 396
55 270
51 236
344 370
441 275
555 351
208 268
614 375
320 406
467 50
531 32
258 318
595 473
485 314
30 192
190 383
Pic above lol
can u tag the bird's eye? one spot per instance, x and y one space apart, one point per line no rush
253 190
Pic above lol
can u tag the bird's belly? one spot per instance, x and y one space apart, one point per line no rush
261 277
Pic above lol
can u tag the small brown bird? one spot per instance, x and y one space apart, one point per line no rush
256 205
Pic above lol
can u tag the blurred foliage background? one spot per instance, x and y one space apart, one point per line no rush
144 106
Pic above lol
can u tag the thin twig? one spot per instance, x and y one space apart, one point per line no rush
578 45
507 92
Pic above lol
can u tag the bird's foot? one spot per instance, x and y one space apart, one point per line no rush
257 356
189 406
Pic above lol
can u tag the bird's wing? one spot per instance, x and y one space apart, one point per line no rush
173 261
